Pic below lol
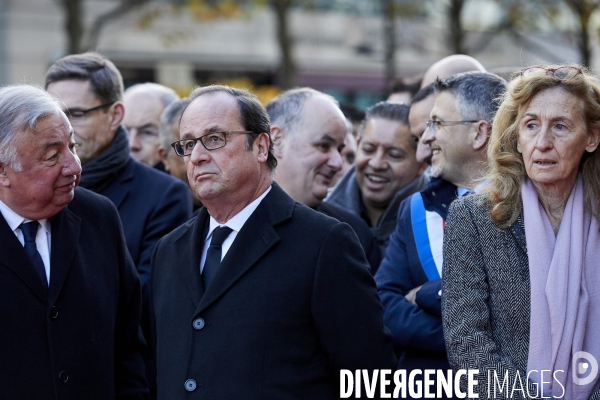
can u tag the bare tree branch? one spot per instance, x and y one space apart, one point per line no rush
124 7
284 38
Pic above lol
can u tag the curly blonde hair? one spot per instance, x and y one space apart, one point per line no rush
506 169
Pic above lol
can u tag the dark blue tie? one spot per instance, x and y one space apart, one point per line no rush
29 230
213 255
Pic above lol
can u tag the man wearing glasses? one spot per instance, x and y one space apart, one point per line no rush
145 103
150 203
409 278
258 297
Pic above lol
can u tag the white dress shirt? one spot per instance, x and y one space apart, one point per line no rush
235 223
42 239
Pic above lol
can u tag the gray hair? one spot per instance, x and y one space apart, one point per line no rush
164 93
478 94
21 107
285 110
385 110
169 117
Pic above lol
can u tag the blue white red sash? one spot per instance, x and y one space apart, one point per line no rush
428 231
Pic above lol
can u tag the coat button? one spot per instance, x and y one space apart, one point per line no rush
198 323
63 376
190 385
54 312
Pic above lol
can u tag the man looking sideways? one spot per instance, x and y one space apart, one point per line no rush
309 131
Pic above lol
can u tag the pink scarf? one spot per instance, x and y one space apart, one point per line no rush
565 295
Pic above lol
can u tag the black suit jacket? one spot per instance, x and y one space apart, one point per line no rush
151 204
292 303
80 338
360 227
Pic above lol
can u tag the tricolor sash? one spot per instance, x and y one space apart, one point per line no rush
428 231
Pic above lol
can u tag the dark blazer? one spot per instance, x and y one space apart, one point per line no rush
346 194
292 303
360 227
486 298
417 329
151 204
80 338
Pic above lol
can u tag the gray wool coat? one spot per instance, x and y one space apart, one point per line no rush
486 299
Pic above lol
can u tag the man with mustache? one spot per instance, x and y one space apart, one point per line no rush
309 130
70 297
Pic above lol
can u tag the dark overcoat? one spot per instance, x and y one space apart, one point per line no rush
80 338
292 303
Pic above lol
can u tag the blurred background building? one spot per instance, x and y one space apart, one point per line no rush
351 49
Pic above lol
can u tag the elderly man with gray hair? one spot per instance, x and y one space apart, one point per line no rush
70 297
144 104
309 131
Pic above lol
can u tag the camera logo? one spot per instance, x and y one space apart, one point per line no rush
580 367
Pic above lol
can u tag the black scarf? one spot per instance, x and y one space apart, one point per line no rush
97 173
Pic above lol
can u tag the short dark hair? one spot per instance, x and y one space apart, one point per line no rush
353 113
105 79
423 94
478 94
400 85
385 110
253 115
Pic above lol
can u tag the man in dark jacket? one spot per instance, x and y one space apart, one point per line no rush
150 203
409 279
258 297
308 131
70 298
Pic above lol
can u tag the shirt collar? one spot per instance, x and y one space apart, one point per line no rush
14 220
239 219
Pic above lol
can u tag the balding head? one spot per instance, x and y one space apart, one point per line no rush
144 103
308 130
451 65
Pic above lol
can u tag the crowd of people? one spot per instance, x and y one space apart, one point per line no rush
212 247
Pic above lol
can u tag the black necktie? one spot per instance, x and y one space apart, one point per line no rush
213 255
29 232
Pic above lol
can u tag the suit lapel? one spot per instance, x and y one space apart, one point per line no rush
65 227
188 253
14 257
255 238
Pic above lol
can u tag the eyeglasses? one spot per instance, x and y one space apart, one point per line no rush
434 125
560 73
210 141
77 113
